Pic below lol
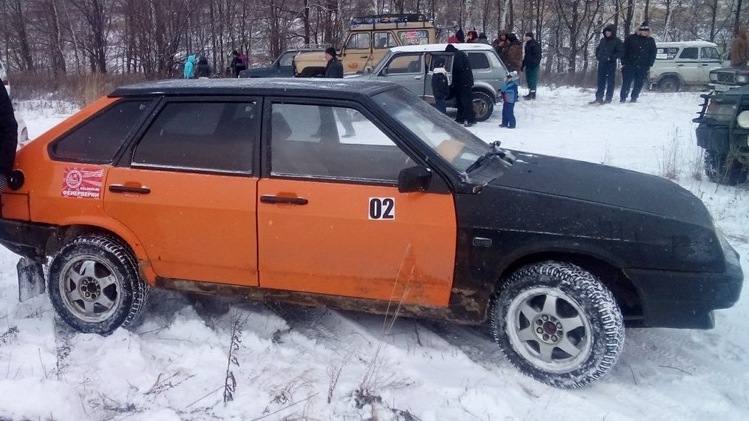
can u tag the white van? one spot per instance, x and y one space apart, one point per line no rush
681 64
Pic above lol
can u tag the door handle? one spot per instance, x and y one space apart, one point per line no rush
119 188
283 199
417 77
364 57
679 65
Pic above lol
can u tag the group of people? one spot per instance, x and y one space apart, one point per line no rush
637 56
518 58
196 68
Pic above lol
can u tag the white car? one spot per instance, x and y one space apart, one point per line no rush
23 132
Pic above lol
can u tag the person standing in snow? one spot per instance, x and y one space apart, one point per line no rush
609 50
462 86
440 86
531 63
203 68
509 92
8 136
334 69
189 72
739 49
638 58
237 65
513 53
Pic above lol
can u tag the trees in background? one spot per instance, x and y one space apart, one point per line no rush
152 37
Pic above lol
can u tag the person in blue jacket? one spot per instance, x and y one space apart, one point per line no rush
509 92
190 67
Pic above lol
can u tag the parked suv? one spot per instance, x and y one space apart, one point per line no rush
368 41
682 64
723 132
282 66
253 187
413 66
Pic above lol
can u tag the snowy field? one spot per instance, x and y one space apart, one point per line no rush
318 364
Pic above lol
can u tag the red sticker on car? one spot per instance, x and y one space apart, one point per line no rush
82 182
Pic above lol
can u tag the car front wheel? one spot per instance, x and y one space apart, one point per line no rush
94 285
483 105
558 324
669 84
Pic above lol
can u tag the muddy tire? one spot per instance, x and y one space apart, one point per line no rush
719 170
483 105
669 84
558 324
94 285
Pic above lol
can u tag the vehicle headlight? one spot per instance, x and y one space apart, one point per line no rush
713 77
742 78
743 119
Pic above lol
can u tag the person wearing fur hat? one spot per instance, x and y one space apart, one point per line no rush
638 58
509 91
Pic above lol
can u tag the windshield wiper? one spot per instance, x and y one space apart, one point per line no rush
494 151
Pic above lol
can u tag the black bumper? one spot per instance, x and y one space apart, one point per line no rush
25 238
713 137
687 299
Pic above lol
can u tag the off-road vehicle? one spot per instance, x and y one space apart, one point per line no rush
723 132
282 66
252 187
368 41
682 64
412 66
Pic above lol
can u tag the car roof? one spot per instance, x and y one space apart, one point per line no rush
330 88
686 44
464 46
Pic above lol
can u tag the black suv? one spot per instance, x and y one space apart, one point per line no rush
723 132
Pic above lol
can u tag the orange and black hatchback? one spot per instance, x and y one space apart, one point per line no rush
356 195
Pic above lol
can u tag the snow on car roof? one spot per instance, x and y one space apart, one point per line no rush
245 86
440 47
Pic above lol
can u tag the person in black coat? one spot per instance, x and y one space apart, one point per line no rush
531 63
440 86
203 69
462 86
8 136
334 69
638 58
609 50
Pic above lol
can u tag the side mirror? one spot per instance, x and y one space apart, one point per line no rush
384 72
414 179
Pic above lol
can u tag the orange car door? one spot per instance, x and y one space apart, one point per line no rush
331 219
189 193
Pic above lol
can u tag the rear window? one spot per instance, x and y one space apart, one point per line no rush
666 53
98 139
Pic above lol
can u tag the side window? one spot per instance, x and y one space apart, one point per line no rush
358 41
287 59
414 37
331 142
710 53
98 139
478 61
384 40
405 63
203 136
689 53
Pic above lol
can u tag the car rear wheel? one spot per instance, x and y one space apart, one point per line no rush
721 169
483 105
669 84
94 285
558 324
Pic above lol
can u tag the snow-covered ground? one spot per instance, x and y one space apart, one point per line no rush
318 364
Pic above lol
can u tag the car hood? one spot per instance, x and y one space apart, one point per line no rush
605 185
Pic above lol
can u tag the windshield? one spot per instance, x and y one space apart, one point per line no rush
452 142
